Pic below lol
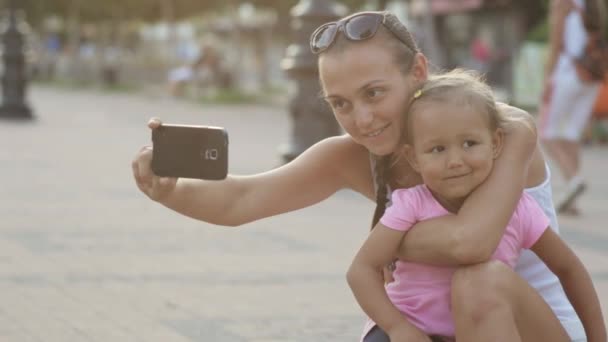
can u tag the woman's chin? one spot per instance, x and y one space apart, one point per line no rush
380 149
382 145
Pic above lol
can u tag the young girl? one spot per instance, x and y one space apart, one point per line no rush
453 135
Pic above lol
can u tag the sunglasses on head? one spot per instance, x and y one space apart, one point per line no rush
356 28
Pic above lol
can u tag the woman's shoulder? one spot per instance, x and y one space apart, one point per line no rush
537 172
520 129
342 148
349 160
343 140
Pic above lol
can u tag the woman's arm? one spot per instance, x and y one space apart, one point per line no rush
366 281
575 280
326 167
473 234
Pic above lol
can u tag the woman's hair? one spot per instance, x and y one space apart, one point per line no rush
404 48
398 39
381 176
458 87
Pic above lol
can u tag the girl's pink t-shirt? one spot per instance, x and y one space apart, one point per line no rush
422 291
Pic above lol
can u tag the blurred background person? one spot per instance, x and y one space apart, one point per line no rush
206 70
567 100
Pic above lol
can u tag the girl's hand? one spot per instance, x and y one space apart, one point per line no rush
155 187
388 272
408 333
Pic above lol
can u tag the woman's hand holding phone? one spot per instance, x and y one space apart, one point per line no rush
155 187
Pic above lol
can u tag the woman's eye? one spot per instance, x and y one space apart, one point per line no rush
374 92
337 104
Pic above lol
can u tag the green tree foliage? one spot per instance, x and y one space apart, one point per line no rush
539 26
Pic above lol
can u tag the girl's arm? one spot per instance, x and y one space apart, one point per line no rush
575 280
367 283
473 234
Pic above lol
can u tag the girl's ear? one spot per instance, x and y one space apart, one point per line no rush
497 142
408 151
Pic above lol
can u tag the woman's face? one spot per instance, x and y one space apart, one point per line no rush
368 93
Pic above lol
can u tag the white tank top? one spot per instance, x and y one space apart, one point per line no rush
534 271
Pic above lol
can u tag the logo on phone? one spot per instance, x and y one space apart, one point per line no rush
211 154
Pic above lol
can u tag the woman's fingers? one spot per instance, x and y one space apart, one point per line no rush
154 123
168 182
142 171
144 162
156 190
135 169
152 185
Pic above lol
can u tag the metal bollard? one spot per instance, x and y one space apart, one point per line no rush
14 79
311 117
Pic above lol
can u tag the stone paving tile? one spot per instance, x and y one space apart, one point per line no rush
85 257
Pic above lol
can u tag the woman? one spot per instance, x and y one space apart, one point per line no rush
364 79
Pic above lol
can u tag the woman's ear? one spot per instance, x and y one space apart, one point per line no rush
408 151
420 69
497 142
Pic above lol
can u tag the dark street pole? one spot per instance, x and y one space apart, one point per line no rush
14 79
311 118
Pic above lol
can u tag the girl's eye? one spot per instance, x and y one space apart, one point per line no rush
437 149
469 143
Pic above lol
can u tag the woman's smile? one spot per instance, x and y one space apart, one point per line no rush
377 132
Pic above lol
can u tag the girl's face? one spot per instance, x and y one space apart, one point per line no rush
453 149
368 93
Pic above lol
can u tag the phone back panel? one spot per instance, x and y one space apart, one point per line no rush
190 152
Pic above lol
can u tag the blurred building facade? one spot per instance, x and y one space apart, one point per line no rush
486 35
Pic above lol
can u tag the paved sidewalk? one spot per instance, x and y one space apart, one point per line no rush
85 257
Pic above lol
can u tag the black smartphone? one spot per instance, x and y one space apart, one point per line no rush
189 151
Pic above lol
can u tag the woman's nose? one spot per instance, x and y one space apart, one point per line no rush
364 117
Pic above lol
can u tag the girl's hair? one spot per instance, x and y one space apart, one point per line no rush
459 87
